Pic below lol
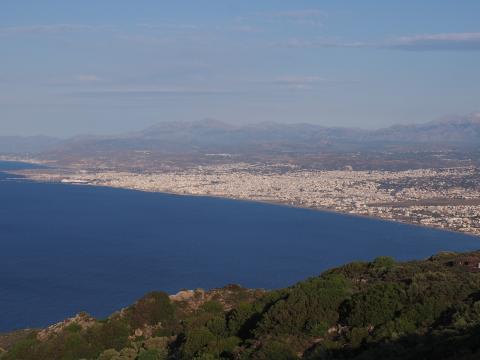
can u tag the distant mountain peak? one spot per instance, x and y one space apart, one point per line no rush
210 134
213 123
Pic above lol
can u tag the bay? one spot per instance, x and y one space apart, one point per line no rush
70 248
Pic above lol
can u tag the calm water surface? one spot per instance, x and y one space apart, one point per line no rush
68 248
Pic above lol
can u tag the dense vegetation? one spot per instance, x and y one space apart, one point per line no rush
364 310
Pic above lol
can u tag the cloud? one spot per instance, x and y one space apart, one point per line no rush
147 40
298 82
295 82
246 29
87 78
148 91
168 26
320 43
307 16
426 42
55 28
429 42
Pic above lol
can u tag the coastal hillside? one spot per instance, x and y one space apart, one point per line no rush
382 309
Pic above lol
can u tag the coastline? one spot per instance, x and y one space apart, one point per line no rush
407 240
251 200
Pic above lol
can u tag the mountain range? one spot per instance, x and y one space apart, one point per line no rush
215 136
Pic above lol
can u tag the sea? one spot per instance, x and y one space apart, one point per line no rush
69 248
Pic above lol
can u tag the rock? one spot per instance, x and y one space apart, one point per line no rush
183 295
83 320
227 296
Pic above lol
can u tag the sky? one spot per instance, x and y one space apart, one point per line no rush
111 66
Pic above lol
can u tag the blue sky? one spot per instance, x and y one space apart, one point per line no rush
110 66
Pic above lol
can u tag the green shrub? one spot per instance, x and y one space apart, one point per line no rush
112 334
383 262
24 349
152 309
153 354
218 326
315 301
379 304
316 328
356 336
157 343
228 345
274 350
213 307
196 342
109 354
74 328
242 319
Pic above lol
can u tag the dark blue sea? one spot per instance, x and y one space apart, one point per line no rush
71 248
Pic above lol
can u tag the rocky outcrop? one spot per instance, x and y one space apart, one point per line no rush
228 296
82 321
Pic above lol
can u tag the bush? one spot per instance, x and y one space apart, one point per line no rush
74 328
153 354
109 354
24 349
152 309
112 334
213 307
275 350
157 343
379 304
383 262
310 303
217 326
196 342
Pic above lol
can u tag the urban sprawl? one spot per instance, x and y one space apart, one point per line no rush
442 198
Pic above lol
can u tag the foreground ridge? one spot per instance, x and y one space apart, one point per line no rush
381 309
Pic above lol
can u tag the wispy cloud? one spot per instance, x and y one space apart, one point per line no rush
53 28
320 43
425 42
246 29
447 41
298 82
87 78
149 91
147 39
306 16
168 26
302 82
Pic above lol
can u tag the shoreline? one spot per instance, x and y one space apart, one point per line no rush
266 202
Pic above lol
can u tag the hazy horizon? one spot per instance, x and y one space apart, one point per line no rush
233 124
115 66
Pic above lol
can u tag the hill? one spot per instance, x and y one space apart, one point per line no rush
364 310
458 130
218 137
